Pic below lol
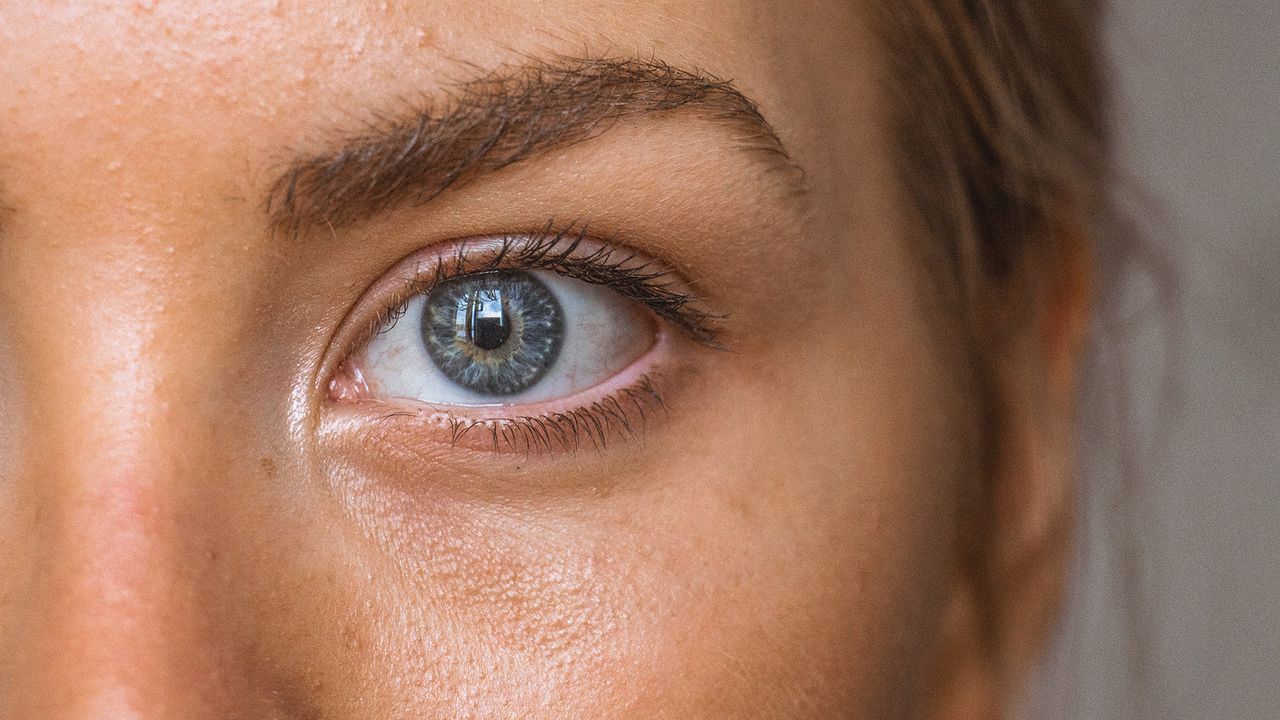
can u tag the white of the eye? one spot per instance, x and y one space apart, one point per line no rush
603 334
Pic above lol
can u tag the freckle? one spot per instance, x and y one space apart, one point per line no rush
268 468
351 637
424 37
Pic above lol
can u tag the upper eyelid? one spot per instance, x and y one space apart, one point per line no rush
571 251
636 278
604 263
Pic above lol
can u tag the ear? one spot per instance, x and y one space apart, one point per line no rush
1008 593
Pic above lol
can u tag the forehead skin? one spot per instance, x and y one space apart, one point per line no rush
179 540
240 82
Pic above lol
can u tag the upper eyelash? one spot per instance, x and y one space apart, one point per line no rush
557 251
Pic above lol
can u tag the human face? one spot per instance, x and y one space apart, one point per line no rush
216 500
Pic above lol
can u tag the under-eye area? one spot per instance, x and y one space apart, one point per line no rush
548 341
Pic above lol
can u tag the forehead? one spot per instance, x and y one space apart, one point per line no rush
271 68
154 122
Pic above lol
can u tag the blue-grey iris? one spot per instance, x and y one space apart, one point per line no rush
494 333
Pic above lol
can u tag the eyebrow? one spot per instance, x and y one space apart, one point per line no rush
497 120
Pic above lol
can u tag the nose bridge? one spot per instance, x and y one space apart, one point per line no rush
110 603
107 607
115 619
113 624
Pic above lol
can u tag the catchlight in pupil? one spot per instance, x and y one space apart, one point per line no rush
486 320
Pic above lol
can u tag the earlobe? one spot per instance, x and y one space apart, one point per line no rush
966 685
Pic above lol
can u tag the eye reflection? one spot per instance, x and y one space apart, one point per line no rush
484 319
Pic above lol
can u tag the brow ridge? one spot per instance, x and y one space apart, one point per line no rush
493 121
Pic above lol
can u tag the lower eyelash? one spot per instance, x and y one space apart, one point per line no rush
619 417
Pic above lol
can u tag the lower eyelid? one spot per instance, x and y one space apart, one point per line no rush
622 409
621 416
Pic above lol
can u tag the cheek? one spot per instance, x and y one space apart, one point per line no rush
411 600
815 571
783 547
815 527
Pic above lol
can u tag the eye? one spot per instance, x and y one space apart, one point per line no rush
505 337
538 342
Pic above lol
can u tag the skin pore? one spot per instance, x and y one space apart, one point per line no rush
195 524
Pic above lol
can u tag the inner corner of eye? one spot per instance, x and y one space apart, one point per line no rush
348 383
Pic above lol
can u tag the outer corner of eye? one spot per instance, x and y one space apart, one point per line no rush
499 337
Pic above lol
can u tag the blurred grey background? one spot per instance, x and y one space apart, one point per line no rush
1175 612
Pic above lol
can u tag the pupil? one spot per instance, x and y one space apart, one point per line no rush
493 333
487 324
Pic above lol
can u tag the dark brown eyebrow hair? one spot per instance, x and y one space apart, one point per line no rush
496 120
